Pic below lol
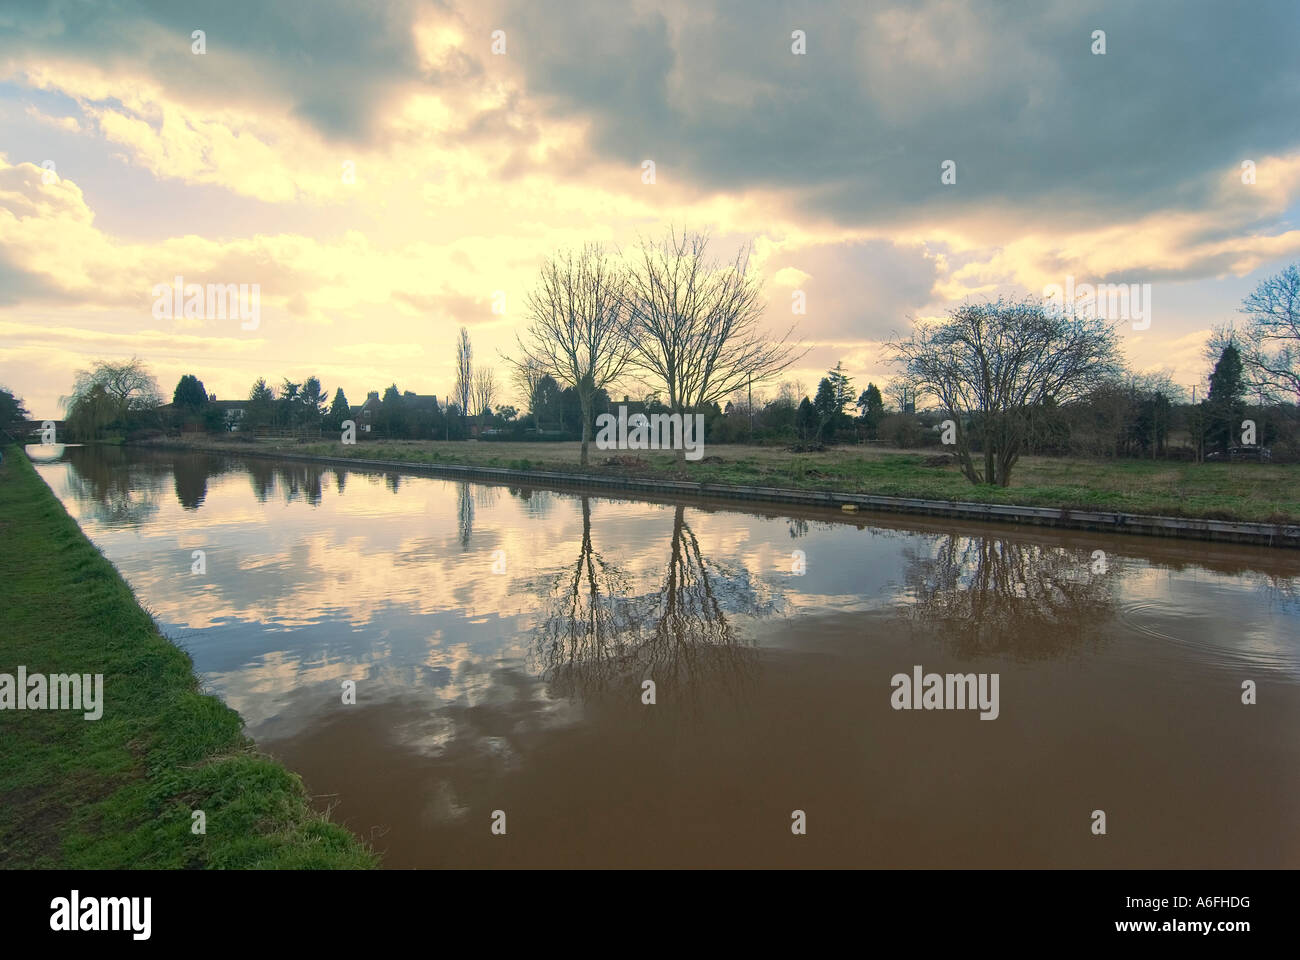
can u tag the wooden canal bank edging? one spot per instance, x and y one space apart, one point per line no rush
1230 531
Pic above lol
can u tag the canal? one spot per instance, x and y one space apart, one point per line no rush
434 657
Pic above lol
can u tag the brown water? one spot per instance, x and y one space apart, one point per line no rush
499 639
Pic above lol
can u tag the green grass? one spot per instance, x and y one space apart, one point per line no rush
1265 493
118 792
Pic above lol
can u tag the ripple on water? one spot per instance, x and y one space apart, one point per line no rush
1225 638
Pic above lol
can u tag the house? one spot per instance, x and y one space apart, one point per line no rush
232 412
366 415
420 401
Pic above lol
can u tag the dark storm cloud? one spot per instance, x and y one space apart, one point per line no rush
332 61
856 129
860 124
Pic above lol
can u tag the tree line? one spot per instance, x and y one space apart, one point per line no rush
1015 377
1005 378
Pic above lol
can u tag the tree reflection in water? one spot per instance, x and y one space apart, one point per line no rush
190 478
261 475
124 490
991 595
536 502
293 480
117 492
597 635
464 514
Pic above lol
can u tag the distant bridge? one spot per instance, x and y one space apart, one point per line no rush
29 430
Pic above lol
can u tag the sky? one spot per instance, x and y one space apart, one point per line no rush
388 172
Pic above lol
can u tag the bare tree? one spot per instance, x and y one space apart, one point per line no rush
577 330
792 392
484 390
129 384
1131 413
991 364
464 373
1270 340
901 393
525 376
694 323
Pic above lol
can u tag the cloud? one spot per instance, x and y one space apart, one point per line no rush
854 290
858 127
380 173
332 63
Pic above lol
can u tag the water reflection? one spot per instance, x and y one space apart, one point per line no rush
288 480
464 514
191 482
537 502
499 638
600 629
117 494
45 452
995 595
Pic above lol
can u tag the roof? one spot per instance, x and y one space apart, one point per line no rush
218 404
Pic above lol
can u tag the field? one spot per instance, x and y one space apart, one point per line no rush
1226 491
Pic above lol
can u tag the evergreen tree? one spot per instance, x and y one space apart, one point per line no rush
289 406
826 404
392 412
261 406
312 398
339 410
1224 405
806 421
871 407
545 404
841 387
190 394
13 415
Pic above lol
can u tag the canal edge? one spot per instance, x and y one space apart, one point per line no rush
1185 528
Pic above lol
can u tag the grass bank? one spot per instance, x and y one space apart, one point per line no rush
118 792
1261 493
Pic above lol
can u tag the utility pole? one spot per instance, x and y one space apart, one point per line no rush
1200 429
751 408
